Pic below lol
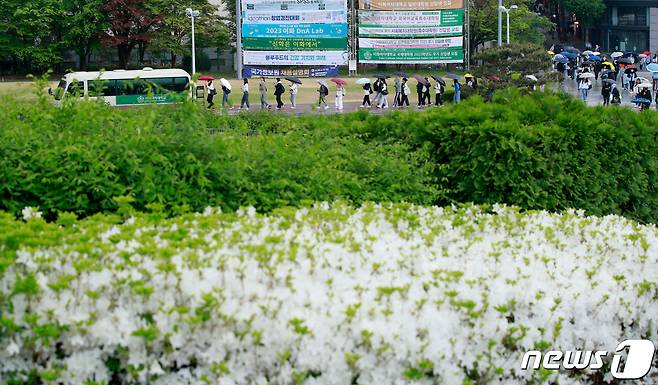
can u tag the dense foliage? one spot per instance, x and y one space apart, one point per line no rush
82 156
380 295
537 151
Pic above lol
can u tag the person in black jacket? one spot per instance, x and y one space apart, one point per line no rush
279 89
428 94
605 93
366 95
421 94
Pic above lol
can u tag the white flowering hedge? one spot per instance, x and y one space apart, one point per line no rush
327 295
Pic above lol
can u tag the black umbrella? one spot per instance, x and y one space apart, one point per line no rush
382 76
453 76
572 49
625 60
402 74
438 79
421 79
293 79
609 81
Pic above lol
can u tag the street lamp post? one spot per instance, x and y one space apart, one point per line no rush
193 14
500 22
502 9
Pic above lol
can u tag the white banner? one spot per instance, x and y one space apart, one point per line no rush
294 17
447 42
411 31
294 5
292 58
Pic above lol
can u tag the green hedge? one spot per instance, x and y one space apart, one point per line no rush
537 150
78 158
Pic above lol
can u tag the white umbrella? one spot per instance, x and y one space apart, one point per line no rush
644 85
363 81
597 53
586 75
225 83
588 52
644 80
531 77
616 54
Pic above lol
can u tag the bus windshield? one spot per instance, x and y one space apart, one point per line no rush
59 91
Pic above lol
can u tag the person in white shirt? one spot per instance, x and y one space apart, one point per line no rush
383 98
245 94
583 86
438 91
211 93
340 92
293 95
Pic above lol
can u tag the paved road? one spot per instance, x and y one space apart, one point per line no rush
350 105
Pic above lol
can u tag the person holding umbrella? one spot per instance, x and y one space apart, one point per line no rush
226 91
606 88
245 94
211 93
456 98
406 91
323 91
615 96
367 90
420 91
383 95
377 88
584 85
293 93
340 92
279 89
438 91
428 96
262 88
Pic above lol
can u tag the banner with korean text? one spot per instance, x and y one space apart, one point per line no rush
411 23
409 51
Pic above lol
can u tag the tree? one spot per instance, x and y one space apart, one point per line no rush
173 33
510 58
30 33
131 23
588 12
525 26
83 25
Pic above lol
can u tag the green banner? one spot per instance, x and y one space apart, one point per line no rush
293 43
124 100
411 55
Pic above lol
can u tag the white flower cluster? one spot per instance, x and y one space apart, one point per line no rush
377 295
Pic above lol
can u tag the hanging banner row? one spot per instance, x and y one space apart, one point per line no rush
411 23
405 51
410 5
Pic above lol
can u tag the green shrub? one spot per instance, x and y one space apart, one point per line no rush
78 158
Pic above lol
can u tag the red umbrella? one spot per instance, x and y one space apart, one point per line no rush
340 82
206 77
493 78
648 53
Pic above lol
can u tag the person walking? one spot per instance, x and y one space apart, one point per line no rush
420 91
406 91
615 96
383 95
366 95
438 91
377 88
340 92
262 88
323 91
398 92
428 97
456 98
584 85
605 93
225 93
211 94
279 89
245 94
293 95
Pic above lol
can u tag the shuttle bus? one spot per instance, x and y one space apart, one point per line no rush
126 87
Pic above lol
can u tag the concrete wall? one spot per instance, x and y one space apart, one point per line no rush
653 29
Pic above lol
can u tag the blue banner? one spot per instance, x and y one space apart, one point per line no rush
295 30
323 72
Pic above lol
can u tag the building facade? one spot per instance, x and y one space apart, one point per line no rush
628 25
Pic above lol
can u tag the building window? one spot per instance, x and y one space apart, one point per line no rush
629 16
636 41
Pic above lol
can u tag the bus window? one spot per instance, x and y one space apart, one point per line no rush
76 89
161 85
181 84
102 88
130 87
